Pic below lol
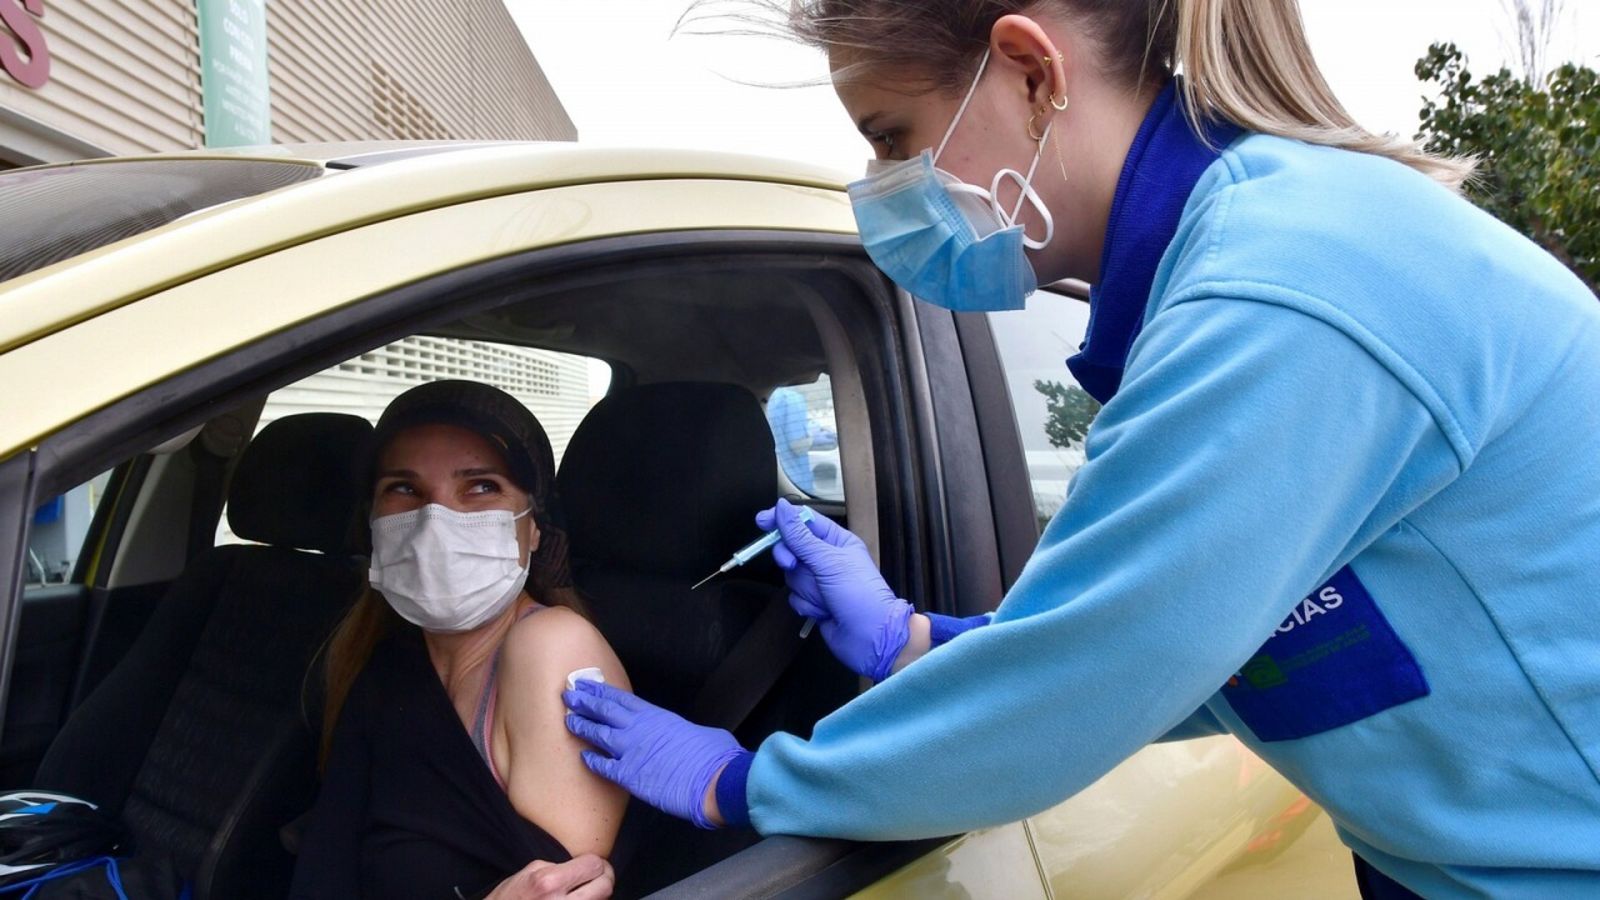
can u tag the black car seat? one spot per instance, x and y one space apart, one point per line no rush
660 484
197 738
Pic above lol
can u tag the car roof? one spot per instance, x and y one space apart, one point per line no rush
363 183
361 154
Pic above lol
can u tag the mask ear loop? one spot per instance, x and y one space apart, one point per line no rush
961 110
1026 194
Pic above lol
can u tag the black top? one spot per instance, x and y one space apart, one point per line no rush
408 809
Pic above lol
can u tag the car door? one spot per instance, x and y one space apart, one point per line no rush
292 310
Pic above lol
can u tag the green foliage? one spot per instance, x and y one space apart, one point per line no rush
1069 411
1539 147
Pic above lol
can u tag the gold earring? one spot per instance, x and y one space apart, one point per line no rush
1059 107
1061 162
1038 138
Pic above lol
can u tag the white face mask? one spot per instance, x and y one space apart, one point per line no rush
444 570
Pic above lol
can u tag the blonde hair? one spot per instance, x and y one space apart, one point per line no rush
1248 62
1243 61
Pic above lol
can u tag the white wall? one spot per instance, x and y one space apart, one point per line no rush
556 387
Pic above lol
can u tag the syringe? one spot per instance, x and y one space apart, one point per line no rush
754 549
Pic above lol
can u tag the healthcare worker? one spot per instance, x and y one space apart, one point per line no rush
1343 499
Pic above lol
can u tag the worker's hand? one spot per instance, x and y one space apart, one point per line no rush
586 877
658 756
833 579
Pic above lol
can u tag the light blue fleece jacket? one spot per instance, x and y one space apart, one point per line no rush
1342 364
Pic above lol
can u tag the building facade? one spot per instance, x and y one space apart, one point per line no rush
556 386
85 78
89 78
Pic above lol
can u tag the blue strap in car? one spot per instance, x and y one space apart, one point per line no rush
31 887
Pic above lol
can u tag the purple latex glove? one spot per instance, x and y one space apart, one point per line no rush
833 579
660 757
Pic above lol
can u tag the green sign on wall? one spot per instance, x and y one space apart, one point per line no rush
233 72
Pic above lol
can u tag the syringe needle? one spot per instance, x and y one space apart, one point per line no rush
753 549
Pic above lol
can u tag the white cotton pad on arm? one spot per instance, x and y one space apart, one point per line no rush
589 674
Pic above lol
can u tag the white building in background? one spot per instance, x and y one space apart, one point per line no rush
95 78
555 386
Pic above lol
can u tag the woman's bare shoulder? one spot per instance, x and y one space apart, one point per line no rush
555 641
545 776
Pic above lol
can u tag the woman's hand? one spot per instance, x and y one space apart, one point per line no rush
586 877
833 579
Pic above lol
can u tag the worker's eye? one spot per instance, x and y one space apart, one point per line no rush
884 142
484 486
403 488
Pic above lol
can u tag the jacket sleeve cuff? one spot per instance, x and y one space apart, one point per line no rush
732 802
942 629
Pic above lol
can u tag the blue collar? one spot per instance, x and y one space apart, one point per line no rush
1163 165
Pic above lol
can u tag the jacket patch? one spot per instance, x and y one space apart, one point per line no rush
1333 661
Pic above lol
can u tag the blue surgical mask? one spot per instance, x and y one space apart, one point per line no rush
943 240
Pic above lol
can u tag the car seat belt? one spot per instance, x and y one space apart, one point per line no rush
749 671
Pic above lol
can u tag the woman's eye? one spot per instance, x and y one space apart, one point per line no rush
881 141
399 487
484 487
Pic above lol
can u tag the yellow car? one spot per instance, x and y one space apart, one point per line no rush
702 331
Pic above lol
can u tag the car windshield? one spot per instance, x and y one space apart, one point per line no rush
52 214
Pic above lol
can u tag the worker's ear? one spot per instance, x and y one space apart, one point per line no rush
1020 47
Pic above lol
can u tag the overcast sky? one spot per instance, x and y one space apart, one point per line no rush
626 80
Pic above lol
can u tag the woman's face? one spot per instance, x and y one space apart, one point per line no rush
453 467
899 125
1031 60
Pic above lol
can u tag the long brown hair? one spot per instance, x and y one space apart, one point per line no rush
1243 61
371 619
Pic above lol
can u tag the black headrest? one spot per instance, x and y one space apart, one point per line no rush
667 478
298 484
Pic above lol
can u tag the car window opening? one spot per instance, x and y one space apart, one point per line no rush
688 356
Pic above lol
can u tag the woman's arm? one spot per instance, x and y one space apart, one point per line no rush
1252 448
545 776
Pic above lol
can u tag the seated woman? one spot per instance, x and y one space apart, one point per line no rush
447 769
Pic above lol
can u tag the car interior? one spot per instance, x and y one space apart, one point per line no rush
175 681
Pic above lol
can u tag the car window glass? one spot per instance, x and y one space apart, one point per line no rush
59 529
1053 412
806 437
559 388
